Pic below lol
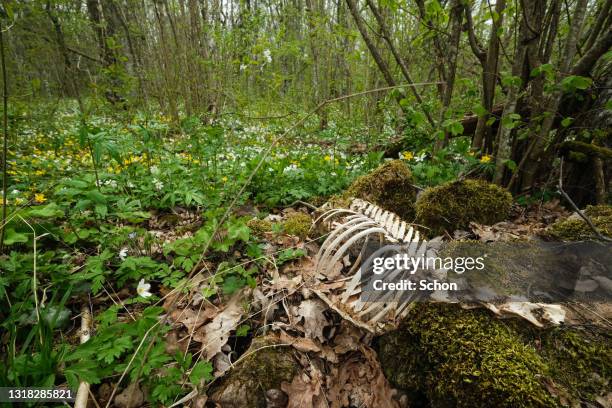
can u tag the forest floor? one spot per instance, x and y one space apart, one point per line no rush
125 221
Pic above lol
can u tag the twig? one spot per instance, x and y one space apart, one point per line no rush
575 207
312 207
34 278
83 391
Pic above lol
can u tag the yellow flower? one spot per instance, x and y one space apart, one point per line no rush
407 155
39 198
224 179
485 159
327 158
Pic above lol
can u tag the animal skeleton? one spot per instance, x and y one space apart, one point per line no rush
353 229
345 275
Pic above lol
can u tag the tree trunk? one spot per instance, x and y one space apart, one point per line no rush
542 138
483 136
532 13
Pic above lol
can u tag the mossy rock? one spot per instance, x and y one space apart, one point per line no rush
259 227
444 356
268 364
458 358
298 224
454 205
390 186
576 229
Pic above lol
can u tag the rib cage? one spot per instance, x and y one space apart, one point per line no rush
351 229
364 221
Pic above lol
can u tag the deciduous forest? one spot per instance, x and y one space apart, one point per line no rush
190 189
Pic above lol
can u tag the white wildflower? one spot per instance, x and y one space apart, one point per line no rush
290 168
154 170
243 67
158 184
110 183
267 55
123 253
143 288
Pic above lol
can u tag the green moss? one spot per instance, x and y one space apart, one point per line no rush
576 229
461 358
578 157
453 205
297 224
259 227
588 149
579 360
389 186
267 364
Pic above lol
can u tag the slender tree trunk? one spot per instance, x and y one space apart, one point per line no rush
380 62
456 17
490 64
531 13
552 105
399 60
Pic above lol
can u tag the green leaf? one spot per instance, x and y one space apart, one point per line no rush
48 211
574 82
12 237
546 69
566 122
454 127
201 371
233 283
511 164
511 121
511 80
243 330
480 110
97 197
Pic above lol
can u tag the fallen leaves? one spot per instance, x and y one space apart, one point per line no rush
312 311
214 335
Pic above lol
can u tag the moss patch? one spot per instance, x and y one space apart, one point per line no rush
389 186
266 366
450 357
259 227
459 358
579 360
297 224
453 205
576 229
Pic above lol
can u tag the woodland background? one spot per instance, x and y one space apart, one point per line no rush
163 163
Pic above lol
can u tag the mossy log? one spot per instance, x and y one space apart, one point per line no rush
588 149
